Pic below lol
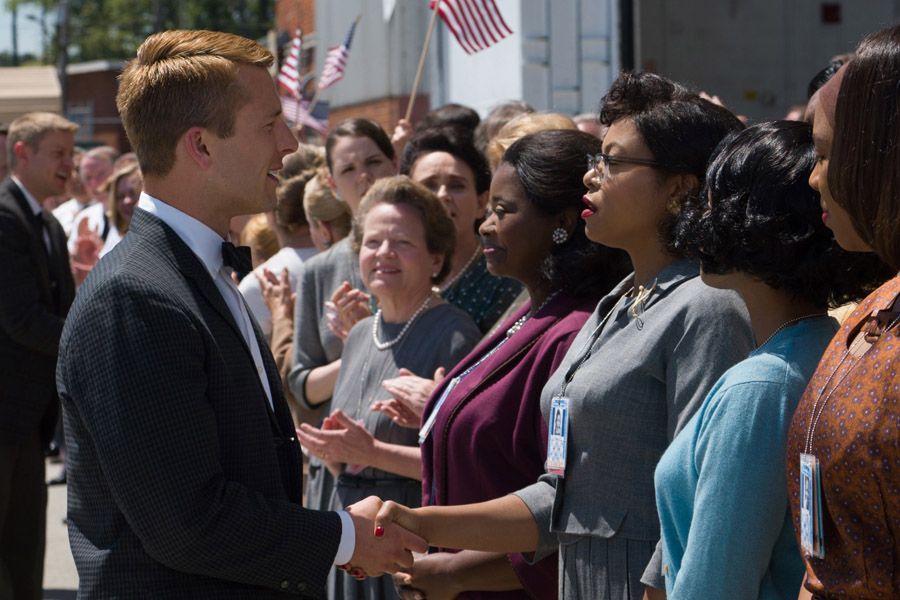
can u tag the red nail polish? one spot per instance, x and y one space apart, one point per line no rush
379 531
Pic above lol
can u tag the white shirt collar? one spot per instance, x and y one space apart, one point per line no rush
203 241
35 206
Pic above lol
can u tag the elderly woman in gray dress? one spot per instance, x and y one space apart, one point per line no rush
405 241
635 373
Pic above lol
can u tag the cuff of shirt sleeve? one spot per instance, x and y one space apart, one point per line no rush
539 497
348 539
653 575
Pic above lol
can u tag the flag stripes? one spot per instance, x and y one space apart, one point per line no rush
289 75
476 24
336 61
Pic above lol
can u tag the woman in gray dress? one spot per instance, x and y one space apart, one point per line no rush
405 241
635 373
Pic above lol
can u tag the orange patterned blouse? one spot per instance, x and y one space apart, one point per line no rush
857 442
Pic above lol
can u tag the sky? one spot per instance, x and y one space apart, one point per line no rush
29 31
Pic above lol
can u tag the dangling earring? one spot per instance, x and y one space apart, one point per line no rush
560 236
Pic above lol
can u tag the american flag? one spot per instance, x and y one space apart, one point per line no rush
289 76
476 24
298 111
336 61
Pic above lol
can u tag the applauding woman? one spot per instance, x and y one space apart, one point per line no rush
405 241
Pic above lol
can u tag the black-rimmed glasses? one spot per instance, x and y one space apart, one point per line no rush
599 163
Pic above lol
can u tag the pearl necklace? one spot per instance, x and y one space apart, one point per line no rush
789 323
390 343
520 322
448 284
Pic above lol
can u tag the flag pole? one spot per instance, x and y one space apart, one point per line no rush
421 67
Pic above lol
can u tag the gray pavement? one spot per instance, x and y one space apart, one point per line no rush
60 577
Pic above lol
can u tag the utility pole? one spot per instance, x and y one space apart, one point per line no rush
62 62
14 6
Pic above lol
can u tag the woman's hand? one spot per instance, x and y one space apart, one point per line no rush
345 309
410 395
277 293
431 578
402 132
340 440
87 251
405 517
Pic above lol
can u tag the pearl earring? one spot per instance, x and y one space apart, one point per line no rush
560 236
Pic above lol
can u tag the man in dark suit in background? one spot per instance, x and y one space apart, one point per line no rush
184 471
36 290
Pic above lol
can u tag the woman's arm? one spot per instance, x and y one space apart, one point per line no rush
343 440
501 525
319 384
446 575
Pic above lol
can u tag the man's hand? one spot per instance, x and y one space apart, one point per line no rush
87 251
380 549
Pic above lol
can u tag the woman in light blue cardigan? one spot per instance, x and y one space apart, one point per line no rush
720 486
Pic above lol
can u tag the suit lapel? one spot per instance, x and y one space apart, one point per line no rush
38 249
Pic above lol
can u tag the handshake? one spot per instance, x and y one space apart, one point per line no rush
387 534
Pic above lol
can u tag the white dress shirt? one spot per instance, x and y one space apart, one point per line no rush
207 245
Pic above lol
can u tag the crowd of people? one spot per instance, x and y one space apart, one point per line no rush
646 354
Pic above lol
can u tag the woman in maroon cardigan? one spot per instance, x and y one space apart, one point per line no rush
483 435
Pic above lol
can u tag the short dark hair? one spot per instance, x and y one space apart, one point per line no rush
497 117
680 128
358 127
550 167
451 141
440 233
863 171
451 115
822 77
758 215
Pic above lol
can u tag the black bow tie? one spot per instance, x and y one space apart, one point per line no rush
238 258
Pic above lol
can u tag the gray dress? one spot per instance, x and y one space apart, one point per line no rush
648 371
440 337
314 344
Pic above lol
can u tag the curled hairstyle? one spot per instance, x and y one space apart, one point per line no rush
453 142
550 167
762 218
440 233
864 167
183 79
358 127
679 128
522 125
320 205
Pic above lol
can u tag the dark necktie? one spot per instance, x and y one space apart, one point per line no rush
238 258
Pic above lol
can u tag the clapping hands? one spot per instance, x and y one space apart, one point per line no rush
410 395
345 309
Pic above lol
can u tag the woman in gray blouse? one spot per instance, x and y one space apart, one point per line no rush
405 241
638 369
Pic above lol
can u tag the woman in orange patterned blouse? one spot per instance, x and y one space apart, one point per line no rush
847 425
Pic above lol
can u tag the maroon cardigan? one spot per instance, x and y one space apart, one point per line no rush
489 438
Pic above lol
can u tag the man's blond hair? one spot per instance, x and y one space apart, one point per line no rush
31 129
179 80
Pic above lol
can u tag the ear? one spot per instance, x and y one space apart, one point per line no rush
194 145
681 185
21 151
437 263
482 202
330 181
567 220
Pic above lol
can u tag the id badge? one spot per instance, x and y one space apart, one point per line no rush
557 436
811 538
429 422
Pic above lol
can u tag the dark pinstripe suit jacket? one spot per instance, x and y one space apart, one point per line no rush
182 481
36 290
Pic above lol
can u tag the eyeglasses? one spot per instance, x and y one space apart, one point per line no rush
599 163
